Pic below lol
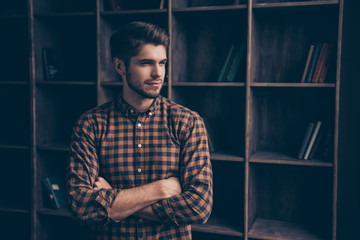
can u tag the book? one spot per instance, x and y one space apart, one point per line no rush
226 64
115 5
210 134
325 68
51 64
162 2
314 135
316 145
313 62
321 62
54 189
306 140
325 149
307 63
237 60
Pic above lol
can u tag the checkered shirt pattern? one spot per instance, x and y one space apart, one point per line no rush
130 149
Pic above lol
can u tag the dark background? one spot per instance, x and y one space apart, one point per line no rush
348 220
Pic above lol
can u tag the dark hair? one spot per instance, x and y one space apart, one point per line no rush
126 41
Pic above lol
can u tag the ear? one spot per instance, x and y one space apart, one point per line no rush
119 66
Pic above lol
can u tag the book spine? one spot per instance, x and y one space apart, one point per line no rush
209 134
313 62
307 63
45 63
320 63
312 140
236 63
162 4
115 5
227 63
326 66
306 139
50 192
316 145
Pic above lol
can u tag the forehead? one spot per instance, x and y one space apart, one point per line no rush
151 51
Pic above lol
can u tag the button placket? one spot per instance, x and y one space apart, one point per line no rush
139 145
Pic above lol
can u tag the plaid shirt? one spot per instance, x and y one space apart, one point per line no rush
130 149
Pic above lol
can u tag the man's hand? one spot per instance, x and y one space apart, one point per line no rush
101 183
139 199
170 187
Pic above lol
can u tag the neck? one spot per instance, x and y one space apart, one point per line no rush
138 102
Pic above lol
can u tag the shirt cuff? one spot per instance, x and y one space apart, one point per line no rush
164 211
105 198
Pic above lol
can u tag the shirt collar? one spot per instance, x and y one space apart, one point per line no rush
128 110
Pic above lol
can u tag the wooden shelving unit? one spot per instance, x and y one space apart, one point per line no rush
261 190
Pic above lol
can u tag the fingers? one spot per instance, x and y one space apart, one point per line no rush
101 183
171 187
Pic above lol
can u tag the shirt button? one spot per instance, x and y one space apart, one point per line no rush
140 220
139 145
150 114
131 111
139 170
139 124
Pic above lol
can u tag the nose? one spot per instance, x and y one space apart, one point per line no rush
157 71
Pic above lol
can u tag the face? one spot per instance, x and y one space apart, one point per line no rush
146 71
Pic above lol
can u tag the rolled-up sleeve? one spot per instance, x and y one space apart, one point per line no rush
194 204
86 204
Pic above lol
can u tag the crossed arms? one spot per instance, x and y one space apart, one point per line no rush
138 200
182 199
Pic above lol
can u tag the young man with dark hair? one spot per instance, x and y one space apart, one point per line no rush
139 166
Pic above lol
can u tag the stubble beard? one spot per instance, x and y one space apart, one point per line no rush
139 90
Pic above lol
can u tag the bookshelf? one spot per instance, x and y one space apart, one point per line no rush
261 190
15 129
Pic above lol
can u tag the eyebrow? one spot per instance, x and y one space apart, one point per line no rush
150 60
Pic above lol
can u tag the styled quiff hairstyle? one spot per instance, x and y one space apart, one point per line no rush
126 41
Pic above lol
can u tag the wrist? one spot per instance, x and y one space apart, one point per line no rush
160 189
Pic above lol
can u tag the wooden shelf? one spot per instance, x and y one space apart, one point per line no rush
282 5
14 147
112 83
54 147
293 85
211 9
118 83
23 17
25 83
279 230
207 84
279 158
62 212
70 83
13 210
10 207
134 12
218 156
64 15
218 226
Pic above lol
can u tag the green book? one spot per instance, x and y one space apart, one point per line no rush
54 189
235 64
227 63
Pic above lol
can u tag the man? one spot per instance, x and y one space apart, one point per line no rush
139 166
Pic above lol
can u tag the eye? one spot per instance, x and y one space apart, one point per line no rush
145 63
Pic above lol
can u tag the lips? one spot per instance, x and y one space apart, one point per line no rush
154 83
